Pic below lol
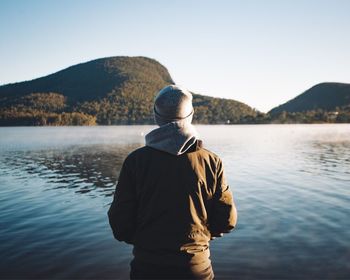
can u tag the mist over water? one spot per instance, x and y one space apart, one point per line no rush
291 185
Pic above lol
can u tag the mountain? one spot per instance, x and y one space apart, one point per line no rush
94 79
324 96
112 90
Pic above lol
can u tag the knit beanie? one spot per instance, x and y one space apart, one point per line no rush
173 103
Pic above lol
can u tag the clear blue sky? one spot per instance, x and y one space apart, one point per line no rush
260 52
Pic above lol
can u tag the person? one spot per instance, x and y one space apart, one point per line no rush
172 198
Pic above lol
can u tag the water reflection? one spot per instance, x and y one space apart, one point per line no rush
92 169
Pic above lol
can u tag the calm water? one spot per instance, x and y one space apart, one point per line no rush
291 185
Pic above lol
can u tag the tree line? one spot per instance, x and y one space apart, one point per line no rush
132 105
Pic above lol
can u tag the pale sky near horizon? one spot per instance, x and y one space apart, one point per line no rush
262 53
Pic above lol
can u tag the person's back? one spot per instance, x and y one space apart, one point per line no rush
171 199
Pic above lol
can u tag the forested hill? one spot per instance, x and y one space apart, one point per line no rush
95 79
114 90
324 96
121 90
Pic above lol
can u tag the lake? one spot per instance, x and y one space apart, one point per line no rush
291 184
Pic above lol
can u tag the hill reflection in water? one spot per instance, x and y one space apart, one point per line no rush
90 169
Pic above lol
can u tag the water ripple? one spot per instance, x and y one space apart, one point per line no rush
85 169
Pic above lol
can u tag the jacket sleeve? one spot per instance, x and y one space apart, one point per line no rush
224 214
122 212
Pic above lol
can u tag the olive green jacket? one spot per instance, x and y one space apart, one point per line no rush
169 207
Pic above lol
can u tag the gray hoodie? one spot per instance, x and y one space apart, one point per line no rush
174 138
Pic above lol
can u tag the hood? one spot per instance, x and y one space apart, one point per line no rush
174 138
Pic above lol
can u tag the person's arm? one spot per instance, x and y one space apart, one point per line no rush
123 210
224 214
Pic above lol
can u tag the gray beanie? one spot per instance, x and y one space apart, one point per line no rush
173 103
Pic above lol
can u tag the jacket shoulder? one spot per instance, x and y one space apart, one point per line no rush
212 154
143 151
209 154
204 151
